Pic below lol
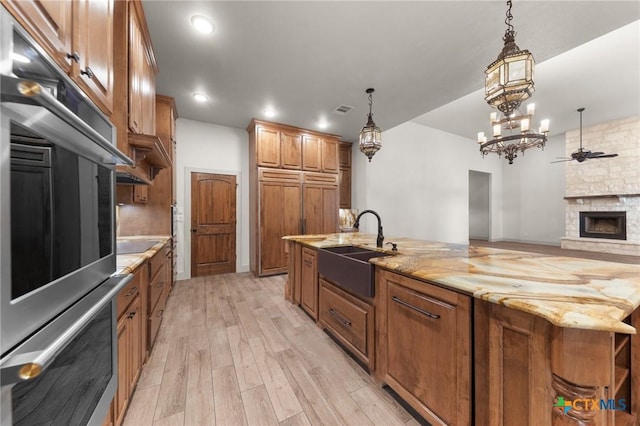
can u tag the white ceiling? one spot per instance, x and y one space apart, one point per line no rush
305 58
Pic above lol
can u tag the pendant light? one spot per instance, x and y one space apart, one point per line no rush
370 135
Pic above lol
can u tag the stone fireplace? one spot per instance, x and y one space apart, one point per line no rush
602 210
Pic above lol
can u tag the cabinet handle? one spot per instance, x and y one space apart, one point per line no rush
339 317
131 292
422 311
308 262
131 315
88 72
74 56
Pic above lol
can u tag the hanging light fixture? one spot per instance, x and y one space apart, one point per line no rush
509 82
509 79
370 135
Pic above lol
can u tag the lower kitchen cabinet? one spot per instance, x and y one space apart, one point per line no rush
159 287
349 319
131 348
425 352
309 282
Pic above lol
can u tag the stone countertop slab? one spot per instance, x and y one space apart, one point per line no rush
568 292
127 263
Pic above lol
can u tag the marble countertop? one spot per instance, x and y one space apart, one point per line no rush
127 263
567 291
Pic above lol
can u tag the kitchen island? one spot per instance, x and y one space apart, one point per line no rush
513 337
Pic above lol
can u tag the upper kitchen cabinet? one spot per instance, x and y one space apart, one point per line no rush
344 175
320 153
135 96
79 36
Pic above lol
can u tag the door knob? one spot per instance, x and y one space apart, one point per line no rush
194 230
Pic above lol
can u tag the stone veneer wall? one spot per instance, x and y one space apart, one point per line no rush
607 184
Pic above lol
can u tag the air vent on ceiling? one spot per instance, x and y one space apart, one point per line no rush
343 109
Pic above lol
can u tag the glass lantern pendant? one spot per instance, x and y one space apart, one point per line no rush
509 79
370 135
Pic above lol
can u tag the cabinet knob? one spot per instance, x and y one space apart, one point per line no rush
87 71
74 56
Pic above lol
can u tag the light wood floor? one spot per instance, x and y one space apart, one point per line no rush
557 251
231 351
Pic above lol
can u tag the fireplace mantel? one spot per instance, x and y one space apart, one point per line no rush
576 197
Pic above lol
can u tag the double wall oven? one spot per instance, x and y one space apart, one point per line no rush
57 244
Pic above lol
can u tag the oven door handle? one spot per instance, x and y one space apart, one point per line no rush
31 358
27 92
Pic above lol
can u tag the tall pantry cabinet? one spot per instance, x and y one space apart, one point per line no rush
293 175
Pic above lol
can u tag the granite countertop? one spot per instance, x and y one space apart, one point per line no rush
127 262
568 292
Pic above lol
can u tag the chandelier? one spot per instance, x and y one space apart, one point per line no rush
520 138
509 82
370 135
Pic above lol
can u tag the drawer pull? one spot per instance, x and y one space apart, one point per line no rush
410 306
308 262
339 317
131 292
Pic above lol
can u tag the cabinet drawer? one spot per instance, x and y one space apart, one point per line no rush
156 263
350 320
128 293
278 175
154 325
320 178
158 283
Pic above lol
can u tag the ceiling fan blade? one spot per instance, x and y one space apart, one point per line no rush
594 154
604 156
562 161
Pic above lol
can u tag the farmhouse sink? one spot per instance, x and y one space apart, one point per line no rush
349 267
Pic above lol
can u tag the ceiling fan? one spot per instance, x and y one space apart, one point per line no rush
582 154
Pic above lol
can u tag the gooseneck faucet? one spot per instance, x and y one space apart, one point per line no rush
380 238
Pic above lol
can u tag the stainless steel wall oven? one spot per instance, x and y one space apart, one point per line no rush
57 246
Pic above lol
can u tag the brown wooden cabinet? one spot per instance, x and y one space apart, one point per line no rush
319 203
329 155
280 197
309 282
288 202
426 343
159 287
344 175
78 35
131 346
349 319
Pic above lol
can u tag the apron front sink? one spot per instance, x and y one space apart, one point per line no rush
349 267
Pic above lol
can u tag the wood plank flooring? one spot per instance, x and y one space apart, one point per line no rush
231 351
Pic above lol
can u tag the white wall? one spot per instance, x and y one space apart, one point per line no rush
533 192
419 184
204 147
479 205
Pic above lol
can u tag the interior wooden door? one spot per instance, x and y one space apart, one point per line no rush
213 224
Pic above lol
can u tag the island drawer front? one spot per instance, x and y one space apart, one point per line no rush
156 287
156 263
346 316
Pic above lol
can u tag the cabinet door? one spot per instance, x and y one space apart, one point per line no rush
344 179
428 344
136 70
344 155
268 147
136 321
329 155
148 95
122 393
320 209
93 40
309 287
291 150
50 23
311 153
279 216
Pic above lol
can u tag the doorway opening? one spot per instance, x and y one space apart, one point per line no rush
479 205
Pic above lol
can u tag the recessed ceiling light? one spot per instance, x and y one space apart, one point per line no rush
20 58
323 124
202 24
200 97
270 112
